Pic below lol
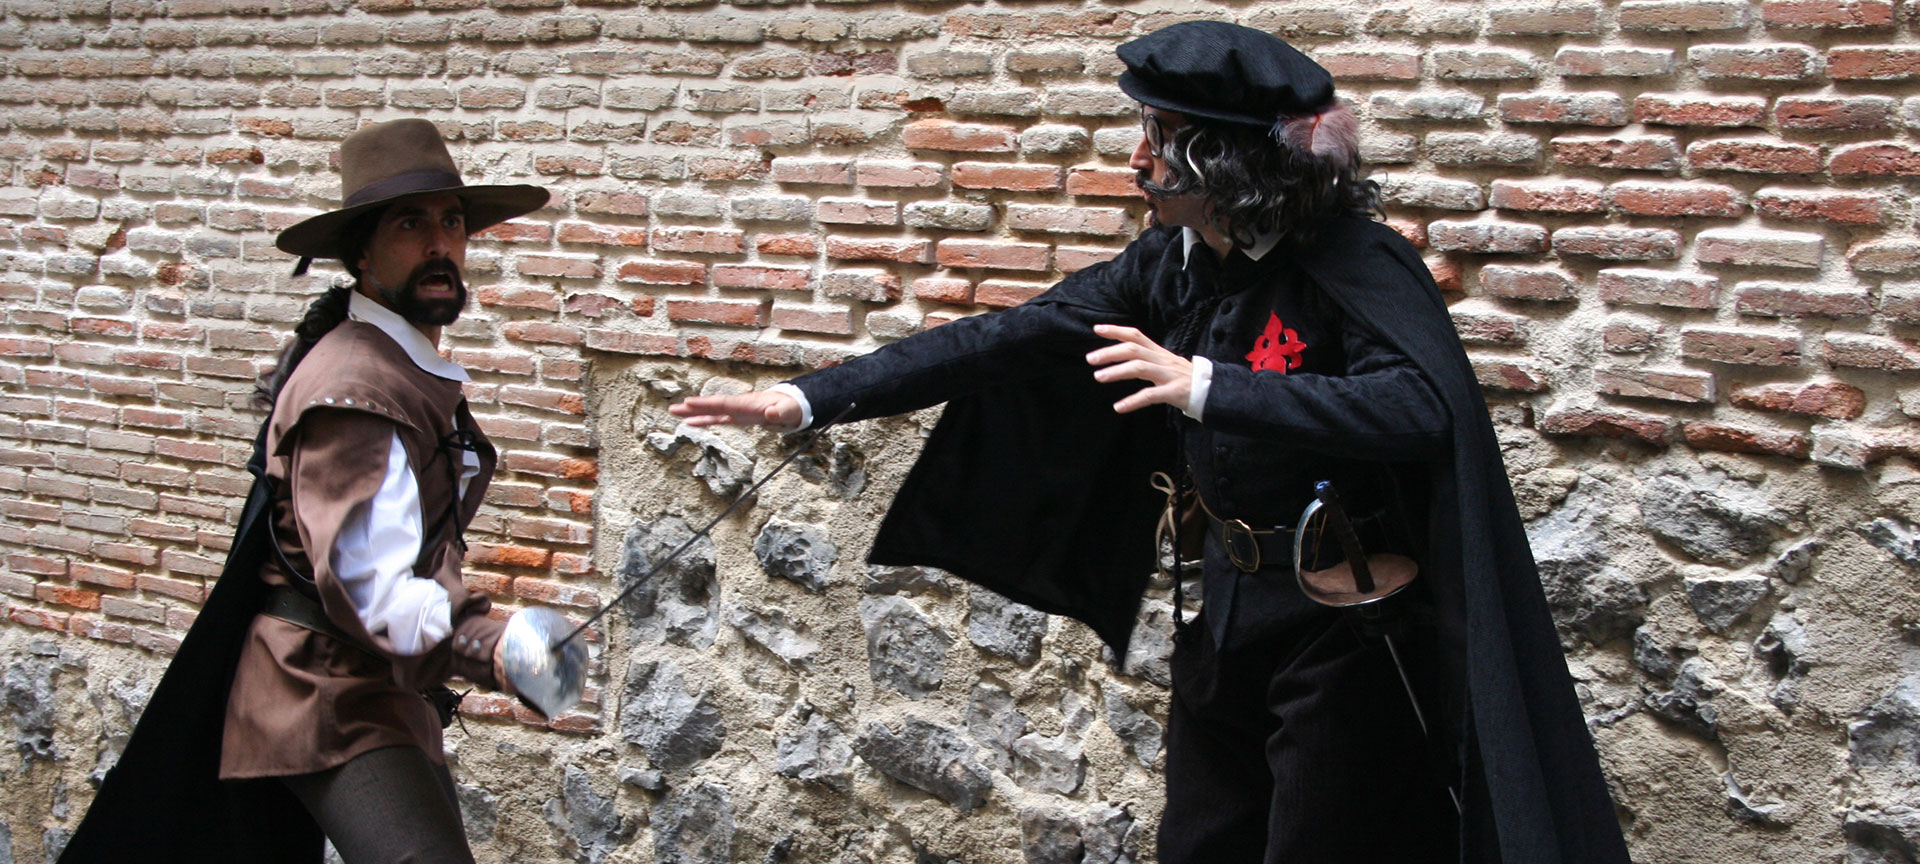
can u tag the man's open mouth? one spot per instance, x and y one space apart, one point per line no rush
435 285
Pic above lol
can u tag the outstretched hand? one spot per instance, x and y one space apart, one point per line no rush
1133 356
752 409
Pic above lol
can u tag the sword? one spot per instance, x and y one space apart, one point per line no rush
554 669
1327 504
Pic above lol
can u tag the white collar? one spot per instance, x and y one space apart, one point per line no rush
1261 246
365 310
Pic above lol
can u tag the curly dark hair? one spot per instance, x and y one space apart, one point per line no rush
1286 181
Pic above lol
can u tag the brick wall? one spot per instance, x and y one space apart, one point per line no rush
1686 225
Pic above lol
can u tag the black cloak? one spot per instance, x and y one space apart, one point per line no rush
1036 489
164 799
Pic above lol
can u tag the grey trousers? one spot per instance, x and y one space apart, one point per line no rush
387 806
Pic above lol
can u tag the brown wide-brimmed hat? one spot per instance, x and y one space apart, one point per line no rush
386 162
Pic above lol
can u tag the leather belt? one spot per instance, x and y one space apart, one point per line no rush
1248 547
287 604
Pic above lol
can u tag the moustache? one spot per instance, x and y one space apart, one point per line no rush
436 267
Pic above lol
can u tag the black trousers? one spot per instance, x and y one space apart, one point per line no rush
1298 745
387 805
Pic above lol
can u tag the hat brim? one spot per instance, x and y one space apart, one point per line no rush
486 206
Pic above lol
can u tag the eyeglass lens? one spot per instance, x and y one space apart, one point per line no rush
1150 127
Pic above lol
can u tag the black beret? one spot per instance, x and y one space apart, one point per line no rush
1225 72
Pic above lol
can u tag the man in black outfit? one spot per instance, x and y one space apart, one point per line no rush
1283 339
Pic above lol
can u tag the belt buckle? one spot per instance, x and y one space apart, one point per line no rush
1243 546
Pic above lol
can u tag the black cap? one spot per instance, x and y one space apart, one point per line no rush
1224 72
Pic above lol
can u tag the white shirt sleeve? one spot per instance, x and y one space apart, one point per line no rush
806 410
373 558
1198 387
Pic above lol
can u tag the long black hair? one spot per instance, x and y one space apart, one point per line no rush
1286 181
323 314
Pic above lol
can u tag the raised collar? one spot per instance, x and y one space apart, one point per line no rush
363 309
1189 238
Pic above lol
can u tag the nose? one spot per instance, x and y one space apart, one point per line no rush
1141 160
439 241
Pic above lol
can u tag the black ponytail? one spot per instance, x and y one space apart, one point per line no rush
326 313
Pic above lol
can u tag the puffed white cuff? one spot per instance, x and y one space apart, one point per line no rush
1197 392
806 410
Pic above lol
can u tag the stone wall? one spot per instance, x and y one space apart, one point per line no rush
1678 236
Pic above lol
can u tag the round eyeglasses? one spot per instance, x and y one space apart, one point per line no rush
1155 133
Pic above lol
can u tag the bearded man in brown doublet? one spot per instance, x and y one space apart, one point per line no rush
341 614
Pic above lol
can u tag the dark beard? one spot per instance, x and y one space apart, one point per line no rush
406 301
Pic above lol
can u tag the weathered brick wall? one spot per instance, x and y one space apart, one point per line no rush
1679 236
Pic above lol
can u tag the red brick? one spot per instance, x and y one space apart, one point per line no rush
1834 113
959 137
1707 435
943 290
1754 62
1874 64
1017 178
553 593
1104 221
992 254
1486 237
646 344
610 203
517 232
1001 293
1875 160
558 267
828 172
1754 157
1659 288
1756 248
770 278
1675 199
708 240
1073 260
874 249
542 332
1741 347
549 465
873 286
1860 351
1819 399
849 211
1527 283
492 554
1618 244
1675 109
1828 14
1587 109
602 235
60 595
542 299
663 272
1666 385
910 175
1649 153
1550 196
1489 328
1619 425
1103 182
1512 377
1774 299
836 322
801 245
545 399
1374 65
1844 208
738 313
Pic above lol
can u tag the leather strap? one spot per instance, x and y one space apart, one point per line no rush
288 604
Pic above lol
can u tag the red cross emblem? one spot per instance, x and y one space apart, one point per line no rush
1277 349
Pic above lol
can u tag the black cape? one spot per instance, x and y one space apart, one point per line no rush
164 799
1037 490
